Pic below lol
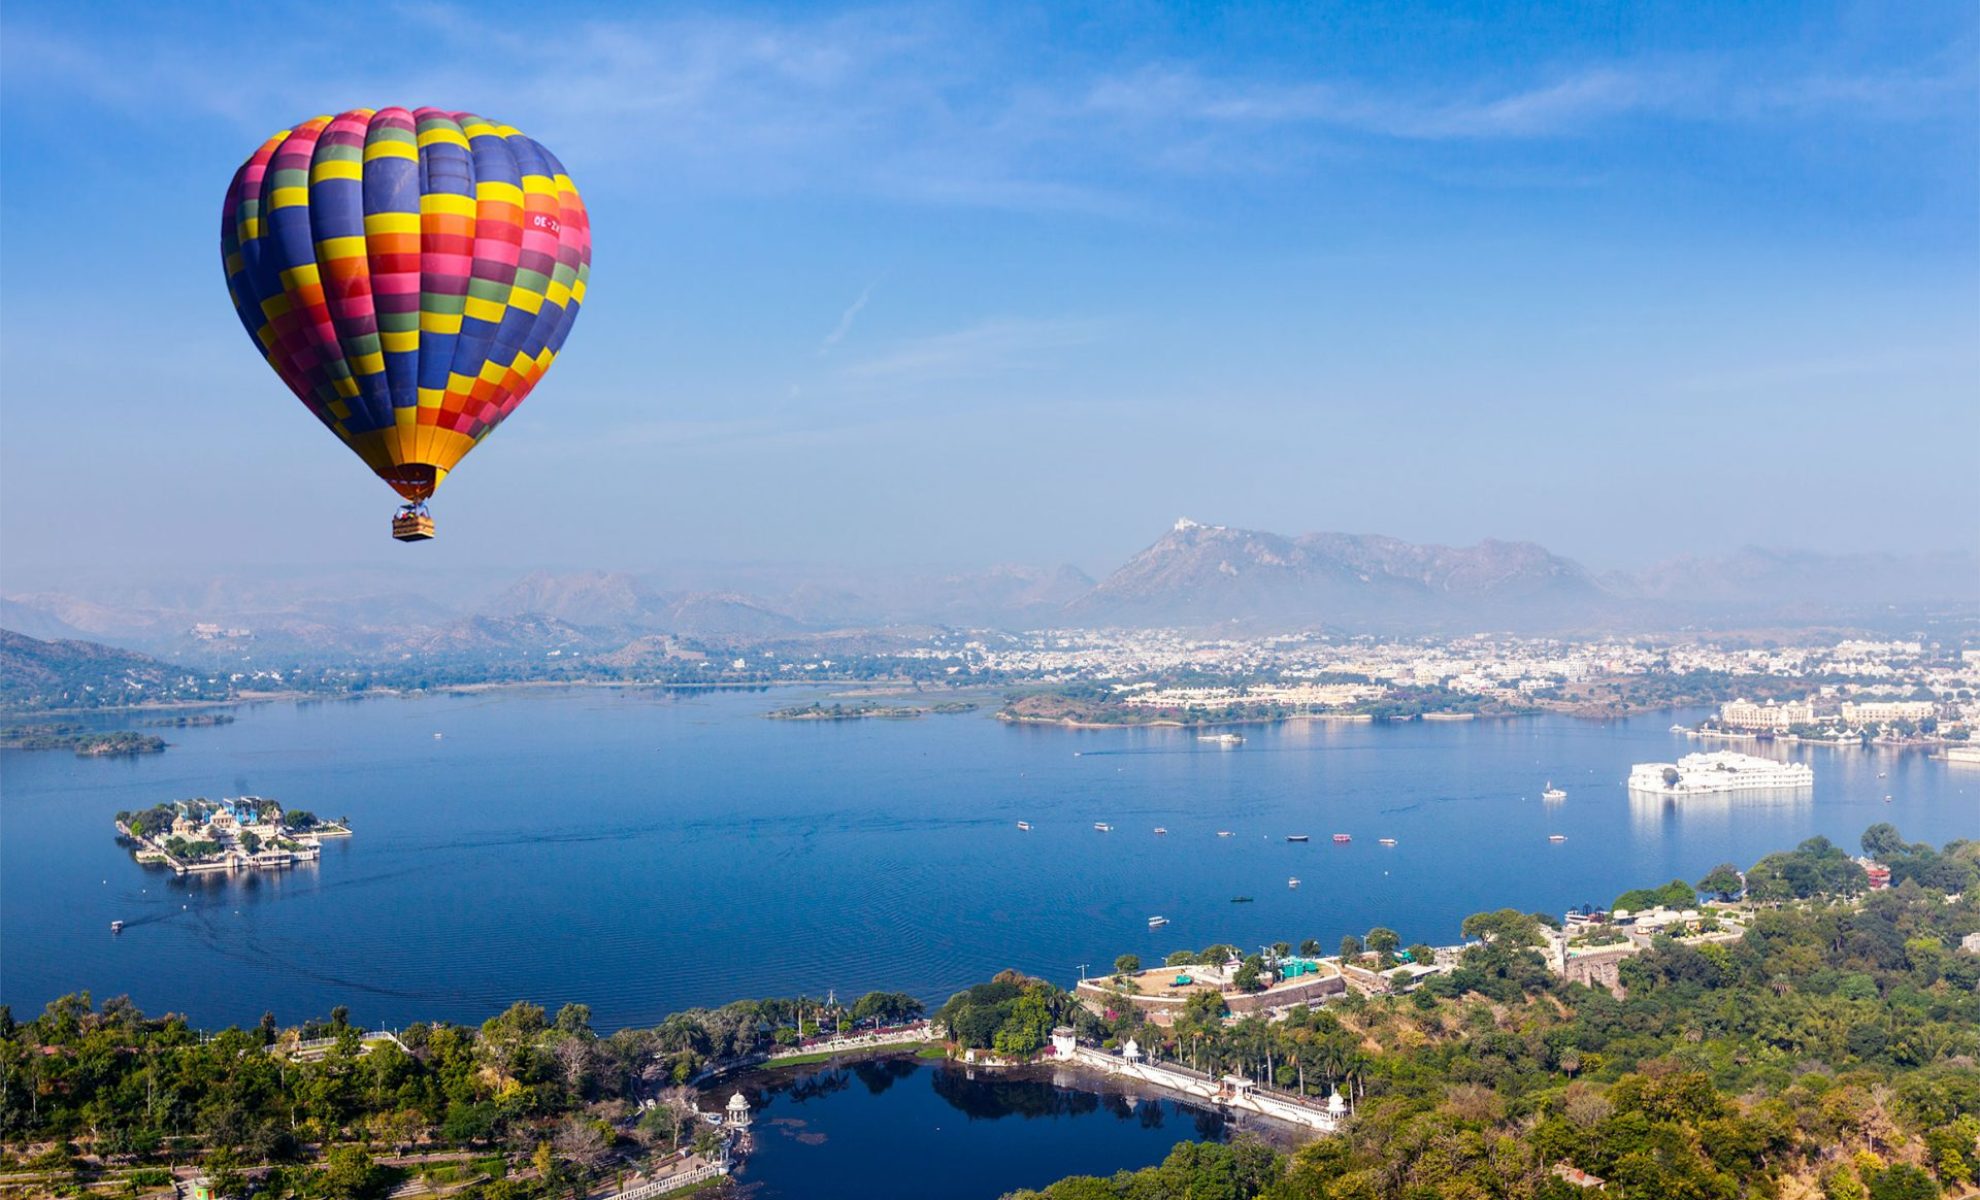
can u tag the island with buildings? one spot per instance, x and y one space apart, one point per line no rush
1719 771
248 833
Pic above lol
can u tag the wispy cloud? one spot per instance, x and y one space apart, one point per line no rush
846 319
923 106
986 348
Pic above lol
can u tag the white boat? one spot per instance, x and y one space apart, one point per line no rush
1222 739
1552 792
1225 833
1160 832
1385 841
1157 922
1718 771
1103 827
1293 882
1025 825
1557 837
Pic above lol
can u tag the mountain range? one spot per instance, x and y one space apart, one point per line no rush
1193 576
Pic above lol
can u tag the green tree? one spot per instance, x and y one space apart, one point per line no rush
1383 941
574 1019
1127 964
1250 975
349 1174
1722 881
1350 947
1505 927
1883 843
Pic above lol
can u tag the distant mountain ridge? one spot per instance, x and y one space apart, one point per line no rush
37 673
1207 574
1193 576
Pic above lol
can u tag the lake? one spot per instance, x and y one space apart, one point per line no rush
646 851
897 1127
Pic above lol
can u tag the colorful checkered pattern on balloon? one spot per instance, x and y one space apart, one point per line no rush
410 275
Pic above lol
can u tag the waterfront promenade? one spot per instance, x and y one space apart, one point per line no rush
1231 1093
913 1034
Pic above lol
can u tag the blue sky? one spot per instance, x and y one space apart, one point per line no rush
963 284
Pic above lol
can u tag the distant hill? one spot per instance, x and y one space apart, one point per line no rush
1193 576
1208 574
1789 583
35 622
37 674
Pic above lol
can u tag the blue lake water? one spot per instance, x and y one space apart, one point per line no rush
642 852
888 1128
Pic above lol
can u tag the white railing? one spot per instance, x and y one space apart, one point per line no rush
672 1183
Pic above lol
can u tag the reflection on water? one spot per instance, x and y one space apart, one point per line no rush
980 1133
1715 814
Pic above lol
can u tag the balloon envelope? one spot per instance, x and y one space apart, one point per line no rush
409 274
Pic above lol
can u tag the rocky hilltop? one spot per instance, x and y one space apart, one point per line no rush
1200 574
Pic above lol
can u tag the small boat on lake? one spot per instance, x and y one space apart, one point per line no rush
1386 841
1293 882
1342 839
1557 837
1225 833
1025 826
1157 922
1298 837
1552 792
116 927
1222 739
1240 899
1103 827
1160 831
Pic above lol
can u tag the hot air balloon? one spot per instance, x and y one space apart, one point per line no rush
410 275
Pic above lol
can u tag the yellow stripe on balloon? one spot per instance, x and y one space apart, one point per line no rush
379 148
340 247
484 310
442 135
336 168
447 203
390 222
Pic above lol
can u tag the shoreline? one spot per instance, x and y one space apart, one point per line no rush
1230 722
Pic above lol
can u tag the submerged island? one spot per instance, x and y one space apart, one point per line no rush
846 712
248 833
86 742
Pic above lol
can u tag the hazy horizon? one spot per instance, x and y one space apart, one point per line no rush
879 286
